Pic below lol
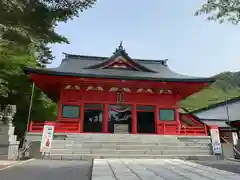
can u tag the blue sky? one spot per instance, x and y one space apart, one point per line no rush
156 29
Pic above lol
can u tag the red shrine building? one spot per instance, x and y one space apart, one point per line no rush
118 94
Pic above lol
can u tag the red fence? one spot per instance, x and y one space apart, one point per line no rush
174 129
61 126
66 126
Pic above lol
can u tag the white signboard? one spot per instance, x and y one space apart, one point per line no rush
47 138
216 143
235 138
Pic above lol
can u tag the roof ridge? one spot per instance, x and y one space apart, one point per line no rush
104 58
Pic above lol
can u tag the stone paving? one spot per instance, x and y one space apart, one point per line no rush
162 169
48 170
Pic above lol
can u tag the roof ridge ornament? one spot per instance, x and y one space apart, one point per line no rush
164 62
120 48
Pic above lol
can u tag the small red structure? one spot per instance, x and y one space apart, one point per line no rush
117 95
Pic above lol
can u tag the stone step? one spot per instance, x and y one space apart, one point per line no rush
123 141
131 139
126 141
108 136
117 144
129 147
125 156
3 157
133 152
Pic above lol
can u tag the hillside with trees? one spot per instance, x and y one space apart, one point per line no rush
227 85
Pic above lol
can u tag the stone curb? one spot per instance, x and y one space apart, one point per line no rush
15 164
232 159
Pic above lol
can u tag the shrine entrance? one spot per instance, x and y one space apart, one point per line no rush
120 119
146 119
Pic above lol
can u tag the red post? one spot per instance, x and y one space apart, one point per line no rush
59 110
81 123
105 119
177 118
134 119
205 130
156 120
164 128
30 126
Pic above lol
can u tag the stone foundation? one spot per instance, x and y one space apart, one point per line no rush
8 142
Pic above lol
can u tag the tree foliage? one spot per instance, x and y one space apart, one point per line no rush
29 25
26 29
221 10
15 88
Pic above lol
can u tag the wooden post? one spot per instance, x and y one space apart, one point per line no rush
134 119
81 123
156 120
177 118
105 119
30 127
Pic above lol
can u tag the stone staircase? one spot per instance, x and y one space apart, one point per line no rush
84 146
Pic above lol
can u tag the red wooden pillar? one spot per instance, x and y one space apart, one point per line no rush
134 119
156 120
105 119
59 110
177 118
81 123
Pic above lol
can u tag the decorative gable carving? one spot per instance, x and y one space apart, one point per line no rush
115 89
72 87
120 63
148 90
93 88
120 60
165 91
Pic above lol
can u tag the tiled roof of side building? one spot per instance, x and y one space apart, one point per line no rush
222 103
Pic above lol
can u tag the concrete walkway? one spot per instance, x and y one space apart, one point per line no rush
142 169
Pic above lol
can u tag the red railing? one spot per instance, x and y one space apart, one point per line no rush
190 120
61 126
174 129
67 126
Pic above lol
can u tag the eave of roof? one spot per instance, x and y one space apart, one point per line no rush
112 76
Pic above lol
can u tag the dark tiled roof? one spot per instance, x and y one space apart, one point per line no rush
155 70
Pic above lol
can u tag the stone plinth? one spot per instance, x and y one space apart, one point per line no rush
8 142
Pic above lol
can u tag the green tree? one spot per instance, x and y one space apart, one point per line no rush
221 10
28 26
26 29
16 89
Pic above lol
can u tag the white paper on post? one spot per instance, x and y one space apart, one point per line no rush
216 143
47 138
